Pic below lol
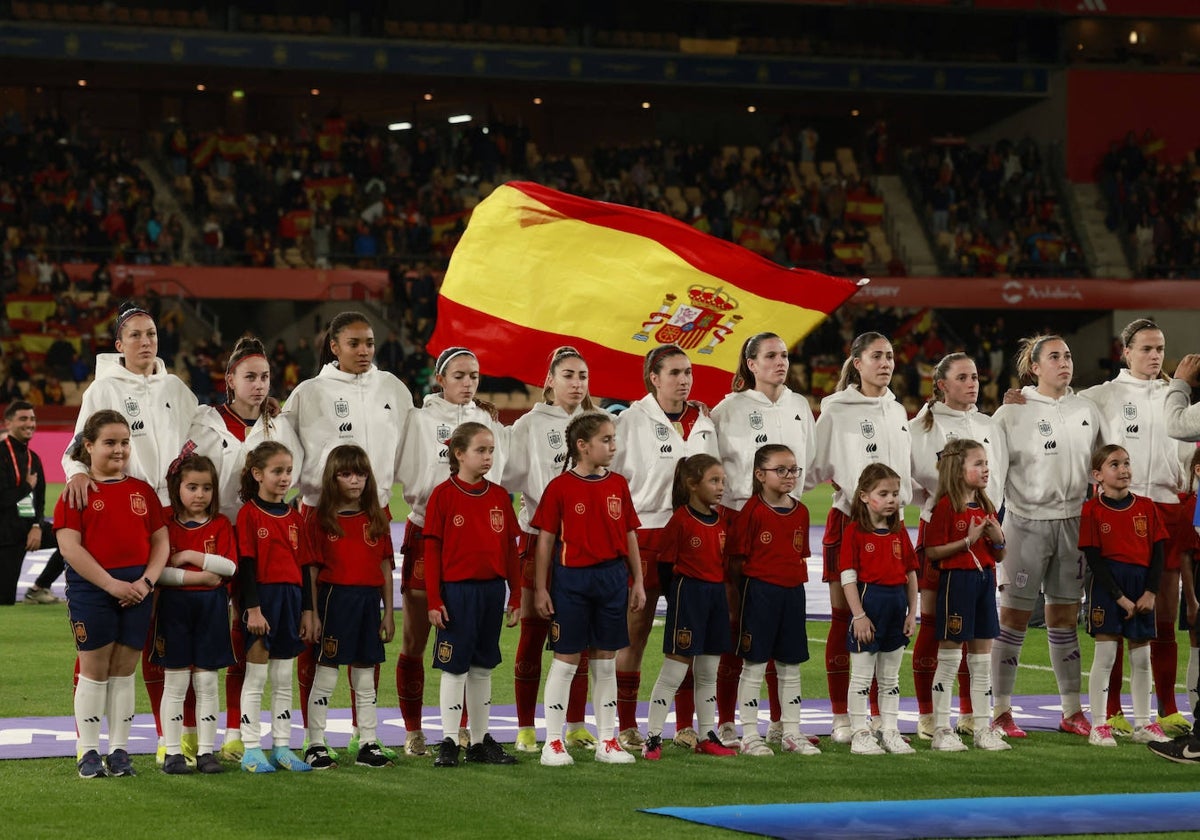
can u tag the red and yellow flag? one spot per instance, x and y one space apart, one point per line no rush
538 268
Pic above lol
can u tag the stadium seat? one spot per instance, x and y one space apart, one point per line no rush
522 34
160 17
322 25
429 31
20 11
40 11
61 12
268 23
410 29
121 14
287 23
447 32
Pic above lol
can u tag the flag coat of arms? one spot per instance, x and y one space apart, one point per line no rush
538 268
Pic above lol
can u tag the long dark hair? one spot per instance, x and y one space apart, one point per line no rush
256 459
340 322
582 428
743 379
850 375
91 433
350 458
859 514
198 464
460 439
688 473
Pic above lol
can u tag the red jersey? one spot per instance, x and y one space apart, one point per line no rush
471 534
212 537
277 542
882 558
946 525
694 546
236 425
116 525
1184 536
686 420
1125 536
353 559
773 545
591 516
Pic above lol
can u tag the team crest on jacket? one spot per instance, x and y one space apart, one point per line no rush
554 437
137 502
661 432
1129 410
1141 525
1044 428
329 647
131 407
445 652
799 539
294 536
614 507
868 428
443 433
707 310
341 408
496 519
756 420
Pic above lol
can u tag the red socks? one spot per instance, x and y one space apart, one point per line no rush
306 672
837 660
924 663
772 678
410 690
685 702
1164 663
527 669
629 683
153 676
1114 682
729 672
577 700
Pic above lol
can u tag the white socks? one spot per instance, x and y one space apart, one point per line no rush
451 689
280 673
479 702
1103 661
1006 655
175 686
204 683
253 684
362 681
887 674
604 697
324 682
704 676
789 697
120 712
943 685
555 696
1141 685
749 689
670 677
91 697
980 666
1066 661
858 699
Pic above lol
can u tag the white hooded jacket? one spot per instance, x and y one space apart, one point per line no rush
1133 412
333 408
214 440
537 453
746 420
950 424
648 448
159 409
424 457
854 431
1050 443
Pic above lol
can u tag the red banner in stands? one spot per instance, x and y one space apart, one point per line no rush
243 283
1016 295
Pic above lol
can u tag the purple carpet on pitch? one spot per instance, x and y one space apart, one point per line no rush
49 737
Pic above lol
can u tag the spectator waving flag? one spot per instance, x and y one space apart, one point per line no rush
538 268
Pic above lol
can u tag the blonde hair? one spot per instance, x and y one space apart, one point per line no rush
1030 350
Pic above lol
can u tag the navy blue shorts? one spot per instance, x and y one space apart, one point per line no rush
191 628
1106 618
280 604
590 603
350 620
98 619
966 605
472 634
887 607
697 618
773 623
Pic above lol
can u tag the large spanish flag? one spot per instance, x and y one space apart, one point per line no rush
538 268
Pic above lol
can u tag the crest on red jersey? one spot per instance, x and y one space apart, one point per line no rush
961 524
765 538
614 507
580 508
496 519
80 632
445 651
1141 525
896 552
98 505
367 538
1105 528
799 540
329 647
869 548
137 502
210 545
419 570
721 540
294 536
263 533
695 542
459 520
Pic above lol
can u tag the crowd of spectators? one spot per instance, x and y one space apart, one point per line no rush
992 210
344 192
1153 205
